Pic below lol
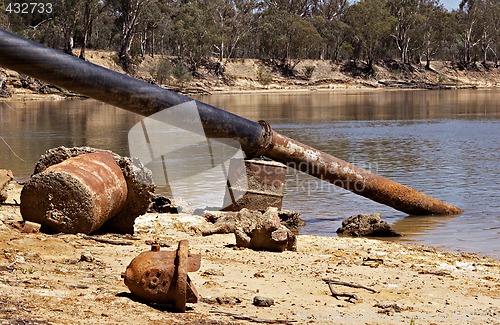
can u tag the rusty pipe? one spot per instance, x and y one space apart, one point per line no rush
355 179
256 139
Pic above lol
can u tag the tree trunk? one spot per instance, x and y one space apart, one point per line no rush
124 53
128 29
152 43
68 41
88 22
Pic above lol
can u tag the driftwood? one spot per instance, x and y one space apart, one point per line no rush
188 90
254 319
108 241
348 284
412 84
349 296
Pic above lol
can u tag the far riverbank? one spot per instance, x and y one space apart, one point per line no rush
250 75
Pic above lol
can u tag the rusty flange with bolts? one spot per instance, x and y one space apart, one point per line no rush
161 276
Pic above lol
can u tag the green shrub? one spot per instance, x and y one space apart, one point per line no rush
308 71
264 77
441 78
182 73
163 71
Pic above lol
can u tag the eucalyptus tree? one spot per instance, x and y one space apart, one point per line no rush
128 15
469 19
328 20
437 29
234 21
407 14
288 34
329 9
371 23
4 19
191 29
488 29
91 9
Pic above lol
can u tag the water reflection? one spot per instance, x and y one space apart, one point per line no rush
31 128
366 105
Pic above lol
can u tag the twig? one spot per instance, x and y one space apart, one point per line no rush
4 103
254 319
341 294
10 148
108 241
348 284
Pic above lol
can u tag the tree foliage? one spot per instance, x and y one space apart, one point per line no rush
209 32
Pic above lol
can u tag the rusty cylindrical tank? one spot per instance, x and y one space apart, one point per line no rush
77 195
161 276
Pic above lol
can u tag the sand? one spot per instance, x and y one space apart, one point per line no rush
45 280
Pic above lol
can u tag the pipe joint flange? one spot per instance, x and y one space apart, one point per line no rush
267 138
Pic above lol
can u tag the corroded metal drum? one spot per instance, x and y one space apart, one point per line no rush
262 183
77 195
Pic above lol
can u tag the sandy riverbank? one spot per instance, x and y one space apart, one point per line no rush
44 280
250 75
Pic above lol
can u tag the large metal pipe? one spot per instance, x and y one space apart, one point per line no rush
355 179
82 77
256 139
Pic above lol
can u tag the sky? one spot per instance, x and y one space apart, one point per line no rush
450 4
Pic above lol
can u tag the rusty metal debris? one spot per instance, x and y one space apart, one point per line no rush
77 195
263 185
355 179
161 276
81 189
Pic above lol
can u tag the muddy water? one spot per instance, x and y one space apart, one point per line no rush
444 143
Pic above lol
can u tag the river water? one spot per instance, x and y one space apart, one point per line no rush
444 143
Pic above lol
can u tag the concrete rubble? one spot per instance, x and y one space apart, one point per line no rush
5 178
366 225
264 231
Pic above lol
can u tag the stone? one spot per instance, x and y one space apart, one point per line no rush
263 231
223 300
163 204
5 178
3 227
260 301
291 219
86 257
225 222
366 225
212 272
31 227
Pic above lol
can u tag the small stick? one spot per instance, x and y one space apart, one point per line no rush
11 150
254 319
348 284
107 241
340 294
